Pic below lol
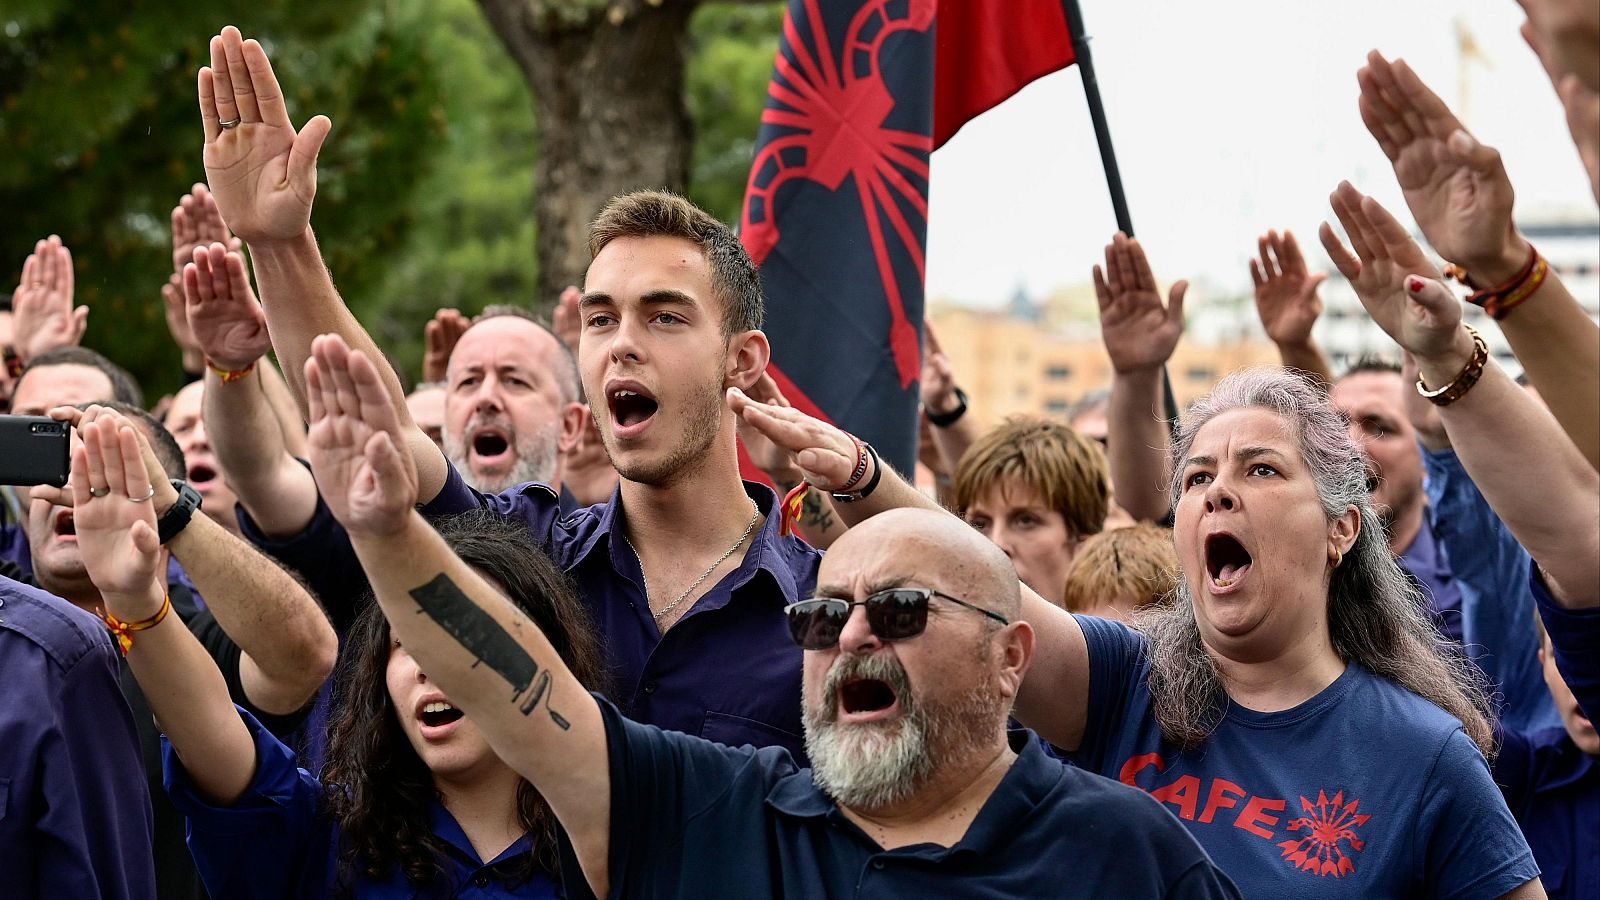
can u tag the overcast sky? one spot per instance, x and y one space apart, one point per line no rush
1229 117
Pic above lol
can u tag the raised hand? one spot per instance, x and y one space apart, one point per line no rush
115 519
1457 188
358 455
43 315
1571 28
1389 273
565 322
1139 331
439 339
825 455
1285 289
196 223
1580 102
938 379
227 321
778 462
262 173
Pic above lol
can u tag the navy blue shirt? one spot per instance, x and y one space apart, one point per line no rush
1553 789
728 671
1575 636
74 812
690 818
274 843
1426 561
1364 790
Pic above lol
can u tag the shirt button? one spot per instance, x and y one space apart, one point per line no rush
649 688
877 864
481 881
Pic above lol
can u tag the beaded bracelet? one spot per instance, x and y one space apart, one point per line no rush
1468 376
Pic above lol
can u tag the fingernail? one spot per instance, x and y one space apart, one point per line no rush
1414 284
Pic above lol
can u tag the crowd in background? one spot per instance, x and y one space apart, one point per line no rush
525 629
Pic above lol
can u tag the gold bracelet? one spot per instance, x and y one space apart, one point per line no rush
1465 379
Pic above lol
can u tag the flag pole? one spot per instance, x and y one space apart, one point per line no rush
1108 158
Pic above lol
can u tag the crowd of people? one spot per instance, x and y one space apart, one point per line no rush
525 630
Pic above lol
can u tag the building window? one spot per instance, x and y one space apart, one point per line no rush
1200 373
1058 407
1058 373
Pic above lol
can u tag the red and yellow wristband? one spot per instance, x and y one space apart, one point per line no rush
228 375
123 631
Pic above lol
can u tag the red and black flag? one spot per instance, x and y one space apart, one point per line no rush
836 209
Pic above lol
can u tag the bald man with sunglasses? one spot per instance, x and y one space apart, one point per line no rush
913 653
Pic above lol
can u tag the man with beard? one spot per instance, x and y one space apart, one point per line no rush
685 570
917 788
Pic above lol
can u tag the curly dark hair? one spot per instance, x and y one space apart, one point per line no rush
377 789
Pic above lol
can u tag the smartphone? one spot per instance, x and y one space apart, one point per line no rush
33 450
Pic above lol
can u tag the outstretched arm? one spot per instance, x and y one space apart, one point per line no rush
469 638
1461 197
1516 453
230 328
941 396
264 177
1287 302
117 535
43 315
1140 333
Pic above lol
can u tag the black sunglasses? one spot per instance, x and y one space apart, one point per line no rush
893 615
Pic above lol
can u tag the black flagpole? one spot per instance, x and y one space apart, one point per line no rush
1108 158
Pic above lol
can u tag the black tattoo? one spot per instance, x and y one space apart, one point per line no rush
482 636
815 512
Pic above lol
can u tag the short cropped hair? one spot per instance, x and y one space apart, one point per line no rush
165 446
1066 469
123 388
661 214
571 385
1372 363
1137 563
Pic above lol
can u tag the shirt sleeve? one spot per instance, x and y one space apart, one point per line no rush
1575 635
1471 847
95 828
1496 603
271 842
1203 881
660 781
536 505
1117 662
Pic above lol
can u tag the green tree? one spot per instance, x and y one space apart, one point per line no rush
101 132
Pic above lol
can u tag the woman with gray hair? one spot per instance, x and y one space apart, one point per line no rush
1293 706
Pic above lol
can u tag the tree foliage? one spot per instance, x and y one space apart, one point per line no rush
425 195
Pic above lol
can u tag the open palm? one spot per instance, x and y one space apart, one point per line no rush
227 321
1138 329
363 469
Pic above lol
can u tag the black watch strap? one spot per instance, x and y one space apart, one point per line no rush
872 483
176 519
945 420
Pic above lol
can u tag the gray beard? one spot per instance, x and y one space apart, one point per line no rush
875 766
537 457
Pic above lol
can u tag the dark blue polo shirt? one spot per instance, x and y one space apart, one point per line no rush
728 670
694 819
74 812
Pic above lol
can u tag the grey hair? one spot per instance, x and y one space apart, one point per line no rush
566 368
1377 617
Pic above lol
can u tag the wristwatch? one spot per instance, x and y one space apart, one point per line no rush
945 420
176 519
872 483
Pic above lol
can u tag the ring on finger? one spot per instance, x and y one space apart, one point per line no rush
231 123
99 491
146 496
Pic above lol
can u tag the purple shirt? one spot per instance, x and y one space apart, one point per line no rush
74 812
728 671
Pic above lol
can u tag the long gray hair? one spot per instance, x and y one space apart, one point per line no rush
1376 616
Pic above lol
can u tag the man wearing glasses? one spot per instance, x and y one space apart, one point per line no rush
913 653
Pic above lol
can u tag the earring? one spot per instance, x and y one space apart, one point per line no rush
1337 557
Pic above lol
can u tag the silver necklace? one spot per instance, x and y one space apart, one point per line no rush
755 513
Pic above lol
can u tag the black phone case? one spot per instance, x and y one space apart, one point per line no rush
33 450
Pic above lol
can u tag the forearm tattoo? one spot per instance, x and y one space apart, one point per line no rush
482 636
815 512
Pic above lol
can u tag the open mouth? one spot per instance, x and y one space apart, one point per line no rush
63 525
201 475
865 695
1226 559
438 713
630 406
490 443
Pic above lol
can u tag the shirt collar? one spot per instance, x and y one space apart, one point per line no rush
1032 776
766 554
446 828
